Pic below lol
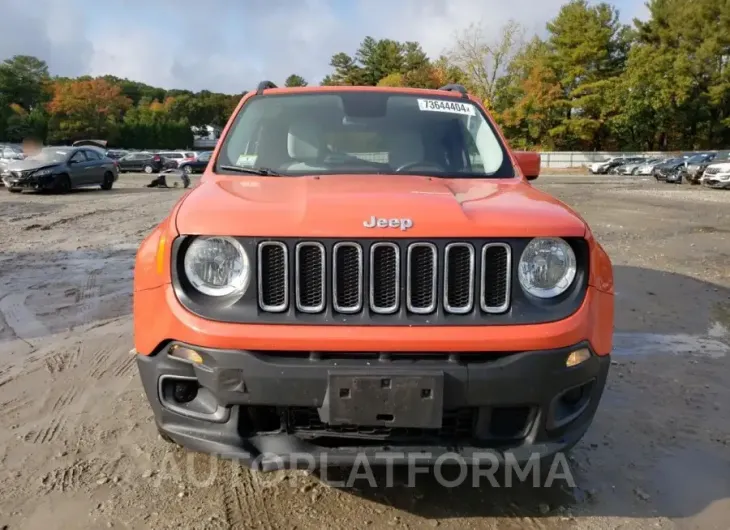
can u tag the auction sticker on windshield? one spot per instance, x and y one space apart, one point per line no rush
440 105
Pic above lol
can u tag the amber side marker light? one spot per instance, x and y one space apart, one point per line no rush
161 255
577 357
182 353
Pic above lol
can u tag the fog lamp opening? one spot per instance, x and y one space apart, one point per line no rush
182 353
577 357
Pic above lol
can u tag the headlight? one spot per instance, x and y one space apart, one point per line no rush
547 267
42 173
217 266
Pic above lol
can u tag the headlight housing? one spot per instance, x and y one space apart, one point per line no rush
42 173
217 266
547 267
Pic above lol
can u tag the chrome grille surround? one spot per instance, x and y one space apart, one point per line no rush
339 276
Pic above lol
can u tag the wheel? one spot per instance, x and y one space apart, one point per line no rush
14 190
187 170
63 184
108 181
149 169
635 171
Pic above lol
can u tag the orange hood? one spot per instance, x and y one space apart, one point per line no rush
339 205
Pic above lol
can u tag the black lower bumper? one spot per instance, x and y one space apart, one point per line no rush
284 409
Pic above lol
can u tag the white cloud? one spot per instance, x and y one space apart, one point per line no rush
229 45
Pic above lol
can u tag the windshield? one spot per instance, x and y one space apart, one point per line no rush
49 154
364 133
698 159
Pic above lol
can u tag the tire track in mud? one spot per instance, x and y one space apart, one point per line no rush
243 501
60 362
70 477
50 432
21 320
88 297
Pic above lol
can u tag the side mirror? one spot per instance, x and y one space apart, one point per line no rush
529 163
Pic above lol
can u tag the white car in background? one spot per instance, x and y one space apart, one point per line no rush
178 156
647 168
717 176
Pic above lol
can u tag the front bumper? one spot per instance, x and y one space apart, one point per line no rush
29 183
716 181
281 409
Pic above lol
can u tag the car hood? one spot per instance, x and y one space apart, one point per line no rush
25 165
722 166
340 205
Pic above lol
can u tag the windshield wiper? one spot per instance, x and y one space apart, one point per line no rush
263 171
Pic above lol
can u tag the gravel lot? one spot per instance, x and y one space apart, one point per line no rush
78 448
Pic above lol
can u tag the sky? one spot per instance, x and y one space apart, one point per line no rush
230 45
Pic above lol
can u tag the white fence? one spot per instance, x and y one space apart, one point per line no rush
578 159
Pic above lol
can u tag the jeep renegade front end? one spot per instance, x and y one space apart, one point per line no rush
369 271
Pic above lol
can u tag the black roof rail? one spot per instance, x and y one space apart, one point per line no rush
263 85
456 88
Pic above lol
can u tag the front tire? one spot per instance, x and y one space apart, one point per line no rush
63 184
149 169
15 190
187 170
108 181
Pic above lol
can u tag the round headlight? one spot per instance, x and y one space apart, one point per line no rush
547 267
217 266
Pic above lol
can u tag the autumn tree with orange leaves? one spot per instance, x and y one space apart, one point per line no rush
85 109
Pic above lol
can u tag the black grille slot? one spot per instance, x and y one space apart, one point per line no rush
457 424
310 277
384 278
347 277
459 278
273 273
421 277
496 259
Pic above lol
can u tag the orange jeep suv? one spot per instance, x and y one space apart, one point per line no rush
369 271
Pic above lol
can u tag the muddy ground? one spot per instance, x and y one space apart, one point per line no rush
78 449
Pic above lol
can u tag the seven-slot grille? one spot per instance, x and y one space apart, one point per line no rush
384 277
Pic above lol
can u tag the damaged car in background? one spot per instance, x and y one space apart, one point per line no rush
692 169
61 169
663 171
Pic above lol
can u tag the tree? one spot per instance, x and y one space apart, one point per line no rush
86 109
295 80
484 59
588 48
23 80
528 101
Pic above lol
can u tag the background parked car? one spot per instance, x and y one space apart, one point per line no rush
198 165
619 164
601 168
694 167
61 169
143 161
647 168
116 154
666 169
717 174
177 157
631 168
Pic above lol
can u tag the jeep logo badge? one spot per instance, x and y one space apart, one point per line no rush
382 222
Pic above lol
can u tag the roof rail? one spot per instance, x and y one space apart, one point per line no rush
263 85
456 88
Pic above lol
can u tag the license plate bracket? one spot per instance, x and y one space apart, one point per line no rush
389 400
